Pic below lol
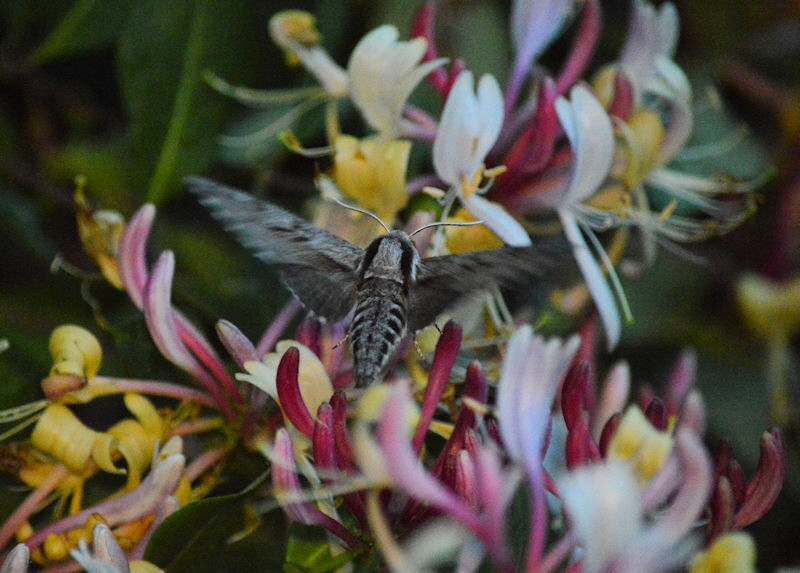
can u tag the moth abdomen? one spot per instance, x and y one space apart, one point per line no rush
379 324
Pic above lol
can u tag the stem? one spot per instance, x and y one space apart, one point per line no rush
31 503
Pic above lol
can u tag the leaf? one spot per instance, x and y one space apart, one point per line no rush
202 537
174 116
88 24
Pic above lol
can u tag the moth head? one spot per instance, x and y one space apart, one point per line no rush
390 256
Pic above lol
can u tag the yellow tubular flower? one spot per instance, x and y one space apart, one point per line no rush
315 385
137 438
61 435
100 232
730 553
75 351
645 133
769 308
640 444
76 358
372 171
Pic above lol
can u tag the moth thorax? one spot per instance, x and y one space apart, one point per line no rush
392 256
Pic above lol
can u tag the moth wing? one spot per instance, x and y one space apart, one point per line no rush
443 281
318 267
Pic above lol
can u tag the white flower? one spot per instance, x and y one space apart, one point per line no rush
591 136
468 130
383 72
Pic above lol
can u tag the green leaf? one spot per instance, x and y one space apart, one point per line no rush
309 551
88 24
174 116
202 537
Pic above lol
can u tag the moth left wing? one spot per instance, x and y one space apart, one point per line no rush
318 267
442 281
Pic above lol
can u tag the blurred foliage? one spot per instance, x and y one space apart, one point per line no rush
114 91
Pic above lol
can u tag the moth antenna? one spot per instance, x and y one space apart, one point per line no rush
364 212
446 223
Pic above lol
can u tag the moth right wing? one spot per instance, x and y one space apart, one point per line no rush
443 281
318 267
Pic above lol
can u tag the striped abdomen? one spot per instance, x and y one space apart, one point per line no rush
378 326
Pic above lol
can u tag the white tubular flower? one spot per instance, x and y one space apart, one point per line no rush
594 495
591 136
532 370
653 36
469 127
383 72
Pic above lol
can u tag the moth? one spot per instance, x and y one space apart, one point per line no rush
393 289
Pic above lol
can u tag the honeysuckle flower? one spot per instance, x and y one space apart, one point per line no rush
607 493
532 372
179 341
469 126
372 171
589 130
534 25
314 384
770 310
640 444
383 72
163 482
106 555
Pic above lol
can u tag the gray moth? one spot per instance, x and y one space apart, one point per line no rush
394 290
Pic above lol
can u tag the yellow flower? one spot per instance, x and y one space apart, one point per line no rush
640 444
770 309
730 553
77 356
372 171
315 385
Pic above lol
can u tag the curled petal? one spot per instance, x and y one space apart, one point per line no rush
160 317
652 34
681 379
614 395
422 27
295 32
583 46
106 554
